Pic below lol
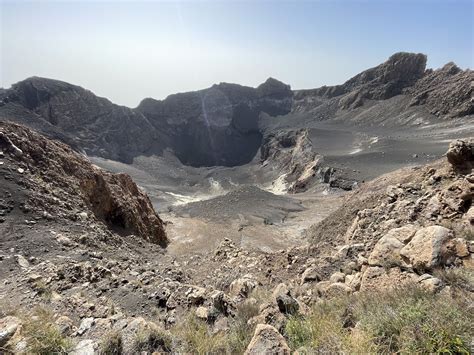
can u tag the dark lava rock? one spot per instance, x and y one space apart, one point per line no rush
287 304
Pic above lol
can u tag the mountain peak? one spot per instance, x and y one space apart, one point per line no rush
274 88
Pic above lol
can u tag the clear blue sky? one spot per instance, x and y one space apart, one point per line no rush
130 50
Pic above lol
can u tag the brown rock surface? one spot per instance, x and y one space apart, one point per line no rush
113 198
267 340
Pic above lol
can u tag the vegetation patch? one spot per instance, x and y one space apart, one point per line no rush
42 334
409 320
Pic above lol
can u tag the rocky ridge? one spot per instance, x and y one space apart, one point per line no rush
222 125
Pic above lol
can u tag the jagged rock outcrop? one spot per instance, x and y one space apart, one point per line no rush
379 83
291 153
78 117
57 176
446 92
404 226
460 154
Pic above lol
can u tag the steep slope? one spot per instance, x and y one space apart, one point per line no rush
401 79
58 183
215 126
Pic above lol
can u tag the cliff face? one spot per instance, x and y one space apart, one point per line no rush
220 125
60 183
215 126
445 92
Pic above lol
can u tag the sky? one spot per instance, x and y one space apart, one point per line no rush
129 50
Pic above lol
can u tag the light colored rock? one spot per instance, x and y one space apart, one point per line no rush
353 281
242 286
196 295
86 324
85 347
386 252
460 247
310 275
63 240
337 277
426 249
267 340
469 216
337 289
430 283
202 312
21 260
403 234
8 327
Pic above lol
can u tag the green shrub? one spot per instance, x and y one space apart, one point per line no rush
411 320
196 338
325 329
408 320
240 332
111 344
42 334
459 278
151 339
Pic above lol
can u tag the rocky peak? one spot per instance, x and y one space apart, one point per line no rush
275 89
389 78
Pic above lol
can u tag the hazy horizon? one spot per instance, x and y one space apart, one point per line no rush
127 51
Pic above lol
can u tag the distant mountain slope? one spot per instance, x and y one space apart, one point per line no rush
445 93
222 125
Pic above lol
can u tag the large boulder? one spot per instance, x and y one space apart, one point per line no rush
377 278
460 155
428 249
267 340
386 252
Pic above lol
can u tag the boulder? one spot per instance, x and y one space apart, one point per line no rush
85 347
337 289
353 281
378 278
459 247
86 324
8 327
287 304
427 248
242 286
386 252
430 283
337 277
202 313
403 234
460 155
267 340
310 275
